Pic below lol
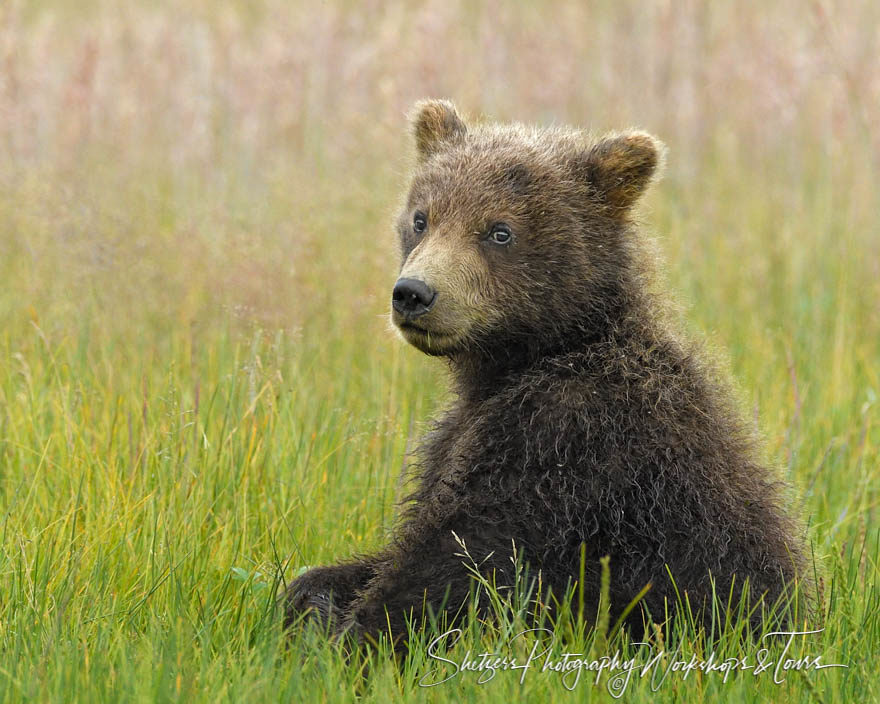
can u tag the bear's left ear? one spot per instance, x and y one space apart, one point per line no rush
621 166
435 123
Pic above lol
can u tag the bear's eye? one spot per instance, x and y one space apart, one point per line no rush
500 234
420 223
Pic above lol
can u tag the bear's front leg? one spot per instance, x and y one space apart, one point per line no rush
323 594
415 581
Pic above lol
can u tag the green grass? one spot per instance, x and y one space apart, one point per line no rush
199 392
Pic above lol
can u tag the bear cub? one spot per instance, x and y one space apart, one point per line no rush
581 425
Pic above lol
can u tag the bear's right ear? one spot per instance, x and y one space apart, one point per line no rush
435 124
620 167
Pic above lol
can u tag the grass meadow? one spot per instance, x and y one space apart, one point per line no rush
199 390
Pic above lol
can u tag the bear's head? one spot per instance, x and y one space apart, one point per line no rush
514 237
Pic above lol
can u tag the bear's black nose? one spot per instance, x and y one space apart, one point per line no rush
412 298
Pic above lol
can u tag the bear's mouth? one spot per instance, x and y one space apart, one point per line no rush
428 341
415 328
408 327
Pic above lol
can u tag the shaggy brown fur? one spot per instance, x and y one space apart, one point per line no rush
579 417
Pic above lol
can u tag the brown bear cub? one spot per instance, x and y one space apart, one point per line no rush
579 418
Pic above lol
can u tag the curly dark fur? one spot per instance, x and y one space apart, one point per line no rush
580 418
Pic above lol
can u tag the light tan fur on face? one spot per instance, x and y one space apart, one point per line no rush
449 263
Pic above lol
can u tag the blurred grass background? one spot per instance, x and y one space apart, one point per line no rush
197 378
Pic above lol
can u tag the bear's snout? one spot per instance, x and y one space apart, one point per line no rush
412 298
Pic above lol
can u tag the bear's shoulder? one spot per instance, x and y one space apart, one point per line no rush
623 373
